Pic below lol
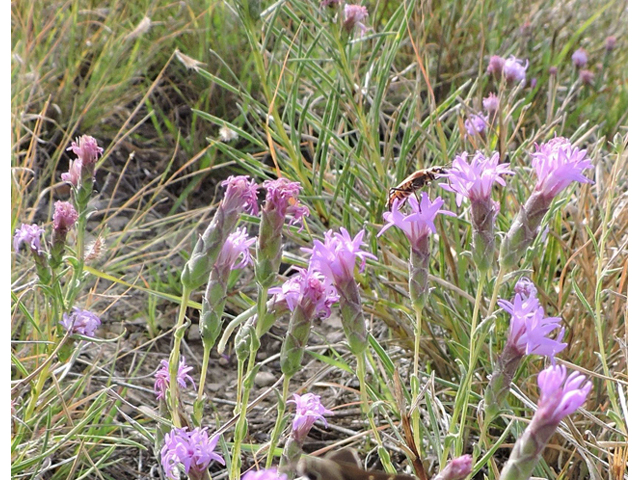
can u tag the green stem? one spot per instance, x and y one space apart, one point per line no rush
242 426
277 429
203 378
415 384
174 358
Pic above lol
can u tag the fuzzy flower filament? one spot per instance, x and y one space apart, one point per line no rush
241 195
559 396
162 378
418 227
557 164
308 296
281 200
528 335
474 181
194 450
336 258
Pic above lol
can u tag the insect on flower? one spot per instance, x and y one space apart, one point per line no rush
413 183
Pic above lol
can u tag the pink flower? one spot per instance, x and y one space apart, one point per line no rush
282 197
610 43
354 16
309 289
266 474
75 172
336 257
514 70
557 164
579 58
491 103
241 191
309 409
529 327
457 469
163 378
587 77
560 396
194 450
496 64
86 149
475 180
29 235
82 322
64 216
476 124
234 254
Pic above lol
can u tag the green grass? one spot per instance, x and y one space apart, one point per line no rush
348 119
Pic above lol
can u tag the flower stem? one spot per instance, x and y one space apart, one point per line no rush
174 358
277 429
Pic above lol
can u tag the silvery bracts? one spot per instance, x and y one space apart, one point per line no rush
290 456
483 214
419 273
269 252
215 297
295 340
353 321
498 387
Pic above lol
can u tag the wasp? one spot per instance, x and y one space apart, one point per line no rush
413 183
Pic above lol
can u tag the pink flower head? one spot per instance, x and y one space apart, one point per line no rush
561 396
476 124
336 257
529 327
86 149
82 322
496 64
163 378
234 254
241 191
514 70
491 103
553 71
526 288
610 43
282 196
74 174
587 77
309 289
475 180
194 450
266 474
457 469
557 164
64 216
29 235
354 16
418 224
309 409
579 58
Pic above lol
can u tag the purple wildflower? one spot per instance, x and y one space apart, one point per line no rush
529 327
282 196
514 69
235 251
308 288
241 191
194 450
29 235
559 396
587 77
266 474
82 322
64 216
579 58
553 71
557 164
496 64
87 150
75 172
309 409
162 377
457 469
610 43
534 82
526 288
476 124
420 223
475 180
354 16
336 257
491 103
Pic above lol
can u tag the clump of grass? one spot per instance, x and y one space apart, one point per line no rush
182 95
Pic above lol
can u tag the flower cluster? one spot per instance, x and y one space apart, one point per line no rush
87 150
241 192
29 235
64 216
194 450
307 287
491 103
476 124
309 409
162 377
82 322
512 69
282 196
266 474
234 254
354 16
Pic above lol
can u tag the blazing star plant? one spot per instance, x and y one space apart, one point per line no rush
559 396
557 164
474 181
65 216
528 335
162 378
82 322
476 124
193 449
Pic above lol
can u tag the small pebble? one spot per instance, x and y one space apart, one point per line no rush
265 379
